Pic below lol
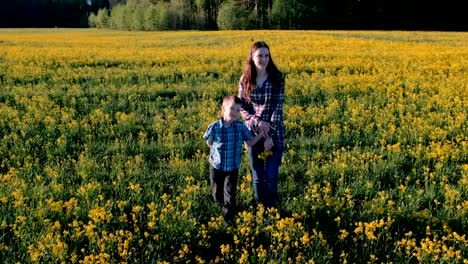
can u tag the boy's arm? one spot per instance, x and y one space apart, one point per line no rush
208 136
254 140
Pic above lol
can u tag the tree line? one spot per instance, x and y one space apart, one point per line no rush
238 14
49 13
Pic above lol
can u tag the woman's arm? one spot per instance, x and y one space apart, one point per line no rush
277 116
247 110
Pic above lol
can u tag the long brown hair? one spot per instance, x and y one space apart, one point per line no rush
249 75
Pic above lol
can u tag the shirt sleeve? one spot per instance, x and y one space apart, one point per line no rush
277 116
246 135
209 133
247 110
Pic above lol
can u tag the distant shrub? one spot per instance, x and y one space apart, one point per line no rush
117 18
133 15
156 17
92 20
102 18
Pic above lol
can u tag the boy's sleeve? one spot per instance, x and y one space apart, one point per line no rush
246 135
208 133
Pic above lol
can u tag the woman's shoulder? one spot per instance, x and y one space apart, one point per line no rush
277 79
280 77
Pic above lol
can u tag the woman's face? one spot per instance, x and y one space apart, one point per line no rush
261 57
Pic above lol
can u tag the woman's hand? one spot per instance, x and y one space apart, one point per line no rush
268 144
263 127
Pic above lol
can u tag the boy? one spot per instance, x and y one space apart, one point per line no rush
225 138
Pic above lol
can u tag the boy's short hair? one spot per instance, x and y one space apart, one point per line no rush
231 98
227 99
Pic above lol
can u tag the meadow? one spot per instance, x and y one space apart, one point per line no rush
102 158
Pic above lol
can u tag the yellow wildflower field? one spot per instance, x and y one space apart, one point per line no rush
102 158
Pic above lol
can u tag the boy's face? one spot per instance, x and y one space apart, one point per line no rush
231 111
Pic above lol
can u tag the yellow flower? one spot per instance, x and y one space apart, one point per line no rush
225 249
305 239
265 154
344 234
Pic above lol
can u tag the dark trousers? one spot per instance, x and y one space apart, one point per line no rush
223 189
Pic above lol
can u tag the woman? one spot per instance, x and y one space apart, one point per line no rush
261 89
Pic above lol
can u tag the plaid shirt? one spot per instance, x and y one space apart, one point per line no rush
226 148
266 105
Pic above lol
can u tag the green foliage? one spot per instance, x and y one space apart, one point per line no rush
297 14
118 18
163 16
135 15
280 14
92 20
234 16
102 18
150 18
135 12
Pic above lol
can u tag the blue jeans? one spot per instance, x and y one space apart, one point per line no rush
265 175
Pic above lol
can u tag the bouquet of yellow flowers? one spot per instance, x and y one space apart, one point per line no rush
267 150
265 154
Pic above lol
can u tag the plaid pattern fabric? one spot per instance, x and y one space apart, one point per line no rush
266 105
226 148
